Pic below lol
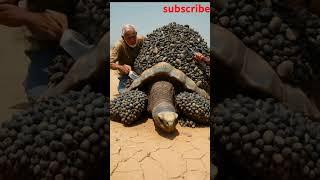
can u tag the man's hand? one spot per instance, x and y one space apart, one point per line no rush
125 69
201 58
198 56
48 25
12 15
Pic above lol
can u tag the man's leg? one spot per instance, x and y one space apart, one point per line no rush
122 83
37 79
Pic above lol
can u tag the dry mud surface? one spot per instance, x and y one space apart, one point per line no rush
142 153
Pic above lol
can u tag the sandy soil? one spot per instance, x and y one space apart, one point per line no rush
13 66
141 153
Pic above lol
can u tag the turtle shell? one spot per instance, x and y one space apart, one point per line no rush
165 71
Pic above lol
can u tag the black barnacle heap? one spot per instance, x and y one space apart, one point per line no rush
266 138
192 106
90 18
256 137
129 106
287 39
63 137
173 43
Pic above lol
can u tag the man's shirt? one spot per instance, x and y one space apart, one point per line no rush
124 54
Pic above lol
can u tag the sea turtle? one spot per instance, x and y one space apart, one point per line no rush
164 91
171 83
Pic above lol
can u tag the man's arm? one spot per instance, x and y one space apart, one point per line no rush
84 69
114 57
49 24
143 38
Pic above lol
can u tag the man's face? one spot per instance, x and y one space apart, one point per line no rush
131 38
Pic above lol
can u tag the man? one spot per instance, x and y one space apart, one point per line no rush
125 52
45 28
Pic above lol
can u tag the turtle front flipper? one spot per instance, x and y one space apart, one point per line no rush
193 106
161 106
128 107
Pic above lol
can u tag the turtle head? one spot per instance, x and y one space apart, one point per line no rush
166 121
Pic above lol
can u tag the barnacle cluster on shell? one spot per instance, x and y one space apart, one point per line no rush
186 122
193 106
61 64
63 137
266 138
129 106
90 18
172 43
287 39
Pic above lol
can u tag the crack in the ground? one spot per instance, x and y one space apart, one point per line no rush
203 162
205 178
203 156
137 142
118 152
144 157
131 137
176 177
159 148
115 168
125 160
194 146
198 158
159 165
185 169
124 171
142 171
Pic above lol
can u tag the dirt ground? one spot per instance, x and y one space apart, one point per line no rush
141 153
13 67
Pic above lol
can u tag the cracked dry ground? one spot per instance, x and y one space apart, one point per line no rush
141 153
